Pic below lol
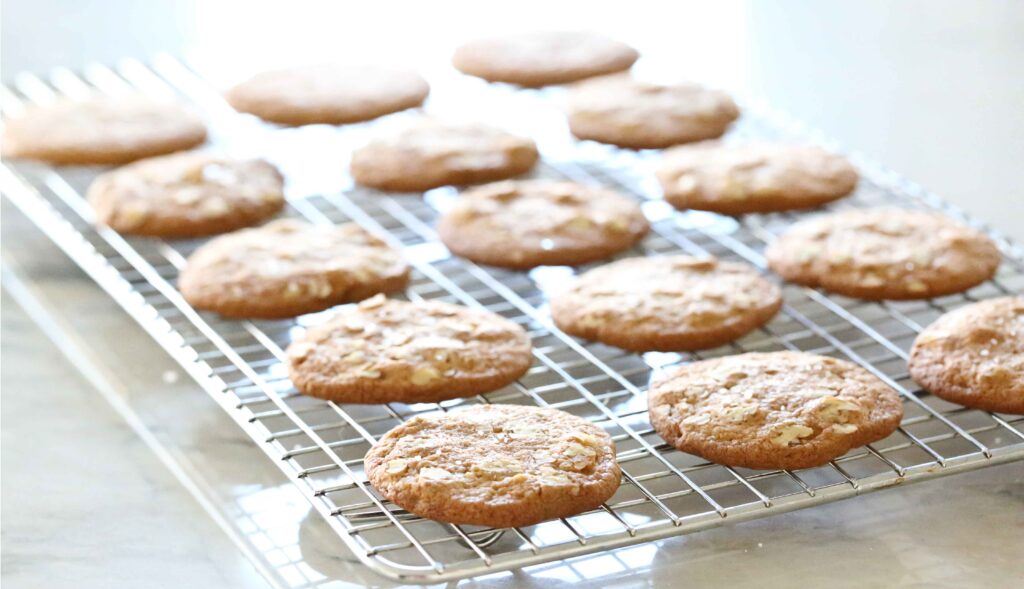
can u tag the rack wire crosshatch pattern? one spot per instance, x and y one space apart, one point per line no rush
319 445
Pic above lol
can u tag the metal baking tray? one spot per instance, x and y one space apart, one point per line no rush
319 445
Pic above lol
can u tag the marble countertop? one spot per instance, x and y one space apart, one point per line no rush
119 471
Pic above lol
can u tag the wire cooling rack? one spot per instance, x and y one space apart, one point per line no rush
320 445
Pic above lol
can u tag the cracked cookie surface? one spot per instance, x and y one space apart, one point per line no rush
387 350
332 94
640 115
427 153
495 465
974 356
884 254
528 223
289 267
535 59
753 177
666 303
776 410
187 195
102 131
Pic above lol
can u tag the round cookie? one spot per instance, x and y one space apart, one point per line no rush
884 254
331 94
102 131
187 195
385 350
501 466
776 410
640 115
974 356
530 223
537 59
288 267
427 153
666 303
753 177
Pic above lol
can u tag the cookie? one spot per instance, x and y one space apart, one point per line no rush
428 153
530 223
331 94
884 254
753 177
640 115
501 466
974 356
102 131
543 58
187 195
666 303
287 268
385 350
776 410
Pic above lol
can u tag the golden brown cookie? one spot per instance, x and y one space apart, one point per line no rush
332 94
385 350
772 410
288 267
974 356
884 254
501 466
102 131
666 303
187 195
543 58
531 223
641 115
428 153
753 177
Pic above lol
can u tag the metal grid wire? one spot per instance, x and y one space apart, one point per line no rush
664 492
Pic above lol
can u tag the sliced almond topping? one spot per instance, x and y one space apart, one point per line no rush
917 286
575 449
740 413
434 474
554 478
354 357
788 434
300 350
834 409
397 466
369 372
373 302
697 419
499 467
844 428
424 375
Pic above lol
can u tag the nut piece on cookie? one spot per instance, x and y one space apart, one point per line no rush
187 195
495 465
103 131
529 223
666 303
427 153
797 410
974 356
884 254
632 113
289 267
333 94
734 179
543 58
382 350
